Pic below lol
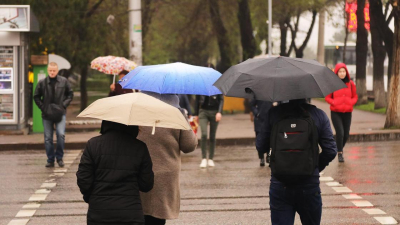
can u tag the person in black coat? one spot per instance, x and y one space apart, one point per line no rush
114 167
259 110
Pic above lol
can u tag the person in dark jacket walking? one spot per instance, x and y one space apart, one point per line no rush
303 196
209 110
113 169
53 95
184 103
258 111
342 102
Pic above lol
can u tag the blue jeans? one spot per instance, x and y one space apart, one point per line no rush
48 126
286 201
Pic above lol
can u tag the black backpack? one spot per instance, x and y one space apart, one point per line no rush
294 148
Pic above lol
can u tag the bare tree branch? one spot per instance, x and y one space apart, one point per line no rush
93 9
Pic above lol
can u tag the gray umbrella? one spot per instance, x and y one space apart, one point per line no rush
278 79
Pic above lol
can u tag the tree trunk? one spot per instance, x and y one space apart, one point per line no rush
300 51
346 30
378 51
283 28
224 45
83 84
246 31
361 54
393 110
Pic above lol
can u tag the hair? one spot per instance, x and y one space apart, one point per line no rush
123 72
53 64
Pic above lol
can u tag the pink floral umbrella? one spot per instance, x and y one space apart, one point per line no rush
112 65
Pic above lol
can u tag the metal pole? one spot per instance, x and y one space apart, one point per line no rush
135 31
321 38
269 27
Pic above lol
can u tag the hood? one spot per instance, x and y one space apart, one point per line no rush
171 99
342 65
108 125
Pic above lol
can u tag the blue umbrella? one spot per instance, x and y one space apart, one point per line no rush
173 78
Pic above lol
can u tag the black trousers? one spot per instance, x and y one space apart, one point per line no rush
260 154
149 220
341 122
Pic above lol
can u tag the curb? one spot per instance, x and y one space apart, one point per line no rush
220 142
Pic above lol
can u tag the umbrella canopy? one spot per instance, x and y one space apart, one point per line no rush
137 109
173 78
278 79
112 65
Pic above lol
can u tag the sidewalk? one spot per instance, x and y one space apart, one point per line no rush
234 129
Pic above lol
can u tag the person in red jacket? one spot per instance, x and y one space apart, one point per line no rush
342 102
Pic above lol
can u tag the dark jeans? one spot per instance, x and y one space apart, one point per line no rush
286 201
260 154
206 116
341 122
149 220
48 126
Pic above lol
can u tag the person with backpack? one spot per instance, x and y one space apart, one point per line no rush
290 135
342 102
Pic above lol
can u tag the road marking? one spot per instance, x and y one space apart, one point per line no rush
25 213
48 185
342 189
29 209
37 197
42 191
374 211
56 175
326 179
18 222
362 203
352 196
31 206
358 203
386 220
334 184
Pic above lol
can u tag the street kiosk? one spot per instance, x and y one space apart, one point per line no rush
15 23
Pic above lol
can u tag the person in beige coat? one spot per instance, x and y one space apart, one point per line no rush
165 146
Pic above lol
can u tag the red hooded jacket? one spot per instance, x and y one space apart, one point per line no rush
343 100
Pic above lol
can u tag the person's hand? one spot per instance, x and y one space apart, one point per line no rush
251 116
218 117
112 87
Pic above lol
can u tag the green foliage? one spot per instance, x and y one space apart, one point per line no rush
371 108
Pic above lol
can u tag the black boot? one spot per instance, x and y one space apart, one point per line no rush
60 162
262 162
50 164
340 157
268 158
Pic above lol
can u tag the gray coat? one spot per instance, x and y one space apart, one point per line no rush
165 147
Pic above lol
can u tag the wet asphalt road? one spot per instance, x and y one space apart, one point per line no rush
234 192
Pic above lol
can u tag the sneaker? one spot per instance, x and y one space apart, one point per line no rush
203 163
60 163
262 162
50 164
211 163
340 157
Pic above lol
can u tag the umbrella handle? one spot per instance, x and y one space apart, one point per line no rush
114 79
154 127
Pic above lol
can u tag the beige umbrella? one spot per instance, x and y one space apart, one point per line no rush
137 109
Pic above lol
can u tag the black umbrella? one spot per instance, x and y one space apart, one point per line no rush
278 79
